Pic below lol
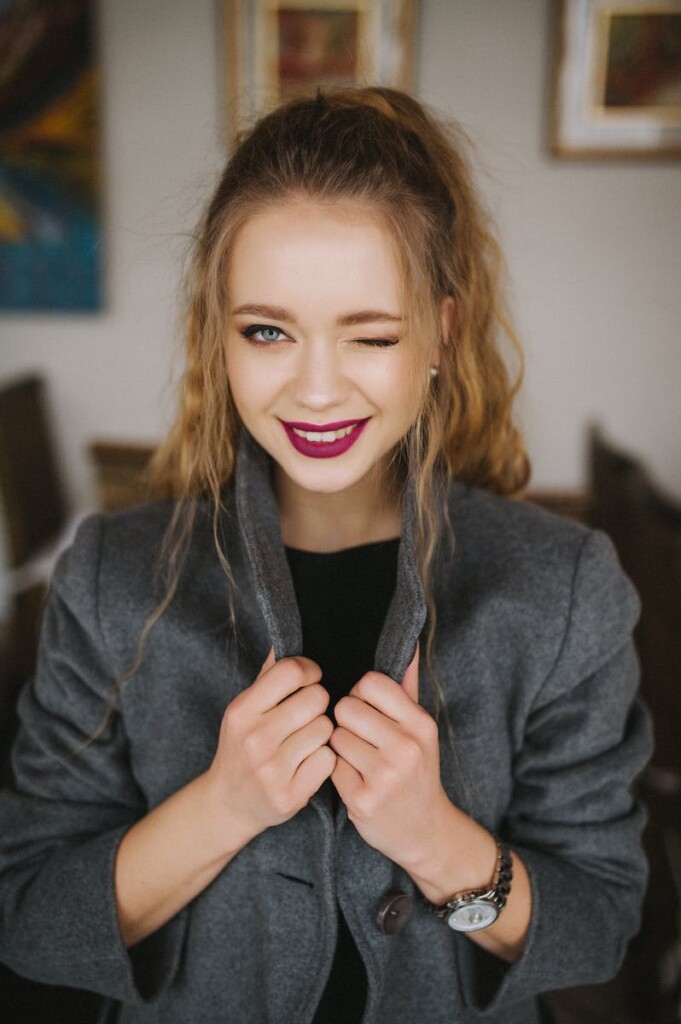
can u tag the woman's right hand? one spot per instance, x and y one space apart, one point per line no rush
272 754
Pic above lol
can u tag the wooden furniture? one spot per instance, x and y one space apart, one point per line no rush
30 485
36 518
121 472
645 525
35 514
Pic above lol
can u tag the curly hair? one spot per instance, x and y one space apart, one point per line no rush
381 148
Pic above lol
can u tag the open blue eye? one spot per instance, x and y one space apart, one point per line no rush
268 334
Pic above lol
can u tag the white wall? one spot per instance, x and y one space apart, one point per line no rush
111 374
592 249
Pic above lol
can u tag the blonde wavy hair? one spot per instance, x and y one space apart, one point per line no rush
379 147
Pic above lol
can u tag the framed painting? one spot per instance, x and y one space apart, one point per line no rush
617 79
50 190
275 51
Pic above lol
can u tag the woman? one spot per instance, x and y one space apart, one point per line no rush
372 760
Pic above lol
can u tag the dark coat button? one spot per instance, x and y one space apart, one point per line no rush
394 911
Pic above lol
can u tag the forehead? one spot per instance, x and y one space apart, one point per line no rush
337 252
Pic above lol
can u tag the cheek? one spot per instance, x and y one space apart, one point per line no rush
402 392
248 383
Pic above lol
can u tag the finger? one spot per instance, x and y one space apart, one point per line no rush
294 712
365 721
383 693
313 771
347 781
410 682
304 742
276 683
356 751
269 661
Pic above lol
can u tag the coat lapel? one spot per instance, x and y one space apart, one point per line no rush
296 848
260 528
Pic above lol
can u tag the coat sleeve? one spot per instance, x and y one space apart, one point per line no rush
574 819
63 818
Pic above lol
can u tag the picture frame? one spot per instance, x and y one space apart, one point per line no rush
616 89
273 51
52 230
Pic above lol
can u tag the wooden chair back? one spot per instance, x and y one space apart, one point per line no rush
658 578
30 488
645 526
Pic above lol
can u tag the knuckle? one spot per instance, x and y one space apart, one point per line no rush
343 706
410 752
428 727
387 776
330 760
364 805
319 696
295 671
284 805
339 711
370 679
361 688
281 795
306 668
234 712
327 727
253 747
326 757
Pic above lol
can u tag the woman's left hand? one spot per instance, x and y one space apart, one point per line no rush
388 767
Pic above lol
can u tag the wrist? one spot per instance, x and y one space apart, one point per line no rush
472 911
460 856
227 833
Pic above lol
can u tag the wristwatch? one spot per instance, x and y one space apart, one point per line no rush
471 911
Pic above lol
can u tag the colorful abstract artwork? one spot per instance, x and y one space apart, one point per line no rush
50 190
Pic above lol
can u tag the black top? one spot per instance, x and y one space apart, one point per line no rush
343 598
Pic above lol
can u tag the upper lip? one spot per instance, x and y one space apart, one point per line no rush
324 426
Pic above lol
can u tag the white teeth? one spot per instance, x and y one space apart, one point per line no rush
327 435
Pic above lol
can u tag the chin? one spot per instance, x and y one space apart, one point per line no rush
325 476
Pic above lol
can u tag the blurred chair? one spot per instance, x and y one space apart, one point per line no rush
32 495
615 480
122 473
36 525
645 526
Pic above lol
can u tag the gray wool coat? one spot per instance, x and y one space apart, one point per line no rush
534 648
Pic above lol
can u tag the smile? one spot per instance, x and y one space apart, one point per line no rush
327 443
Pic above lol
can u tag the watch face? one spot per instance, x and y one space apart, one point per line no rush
472 916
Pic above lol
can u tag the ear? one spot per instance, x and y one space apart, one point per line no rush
447 315
410 683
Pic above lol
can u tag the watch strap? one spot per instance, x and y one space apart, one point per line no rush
496 894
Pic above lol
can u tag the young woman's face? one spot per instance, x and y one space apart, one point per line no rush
317 341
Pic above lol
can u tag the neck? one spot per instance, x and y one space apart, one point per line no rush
312 521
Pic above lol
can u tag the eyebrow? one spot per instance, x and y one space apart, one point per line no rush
362 316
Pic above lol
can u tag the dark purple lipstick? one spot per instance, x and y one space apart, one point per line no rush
324 449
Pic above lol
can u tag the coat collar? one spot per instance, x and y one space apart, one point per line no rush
259 525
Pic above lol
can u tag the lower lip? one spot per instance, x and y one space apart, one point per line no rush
324 449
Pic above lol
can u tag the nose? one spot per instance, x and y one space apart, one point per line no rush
319 380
